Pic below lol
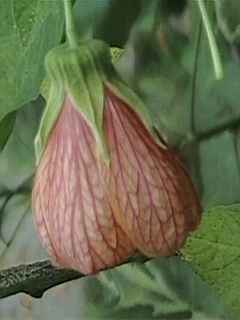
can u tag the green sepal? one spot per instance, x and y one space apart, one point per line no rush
73 72
53 107
82 73
117 85
116 54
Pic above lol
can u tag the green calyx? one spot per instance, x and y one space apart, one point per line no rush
76 73
82 73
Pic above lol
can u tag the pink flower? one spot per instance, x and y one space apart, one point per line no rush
92 214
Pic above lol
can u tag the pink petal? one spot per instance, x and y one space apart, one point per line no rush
157 201
74 214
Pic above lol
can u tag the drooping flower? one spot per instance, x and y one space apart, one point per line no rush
105 186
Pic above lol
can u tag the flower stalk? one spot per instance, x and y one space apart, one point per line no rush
212 41
69 24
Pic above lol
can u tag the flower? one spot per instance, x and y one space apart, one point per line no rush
105 186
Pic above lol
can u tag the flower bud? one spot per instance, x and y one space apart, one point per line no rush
105 186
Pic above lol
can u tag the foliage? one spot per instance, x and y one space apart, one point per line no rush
28 31
164 288
214 251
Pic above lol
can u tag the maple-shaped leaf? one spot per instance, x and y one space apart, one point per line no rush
214 252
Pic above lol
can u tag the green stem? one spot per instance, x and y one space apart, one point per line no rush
212 41
69 23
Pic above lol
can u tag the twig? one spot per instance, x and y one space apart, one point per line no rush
36 278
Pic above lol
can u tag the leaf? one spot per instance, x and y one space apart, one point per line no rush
12 214
214 252
6 126
163 288
29 30
215 100
214 164
17 159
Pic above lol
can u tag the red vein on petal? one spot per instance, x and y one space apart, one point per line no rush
172 215
113 250
173 158
141 169
120 166
93 201
80 172
44 223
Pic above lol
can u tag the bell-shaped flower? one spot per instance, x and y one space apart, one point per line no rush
106 187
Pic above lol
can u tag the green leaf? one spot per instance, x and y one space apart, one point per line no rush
163 288
12 213
214 252
215 100
29 29
17 159
6 126
214 164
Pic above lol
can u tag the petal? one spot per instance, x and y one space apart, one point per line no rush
74 214
157 201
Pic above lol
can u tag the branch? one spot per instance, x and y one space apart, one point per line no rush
36 278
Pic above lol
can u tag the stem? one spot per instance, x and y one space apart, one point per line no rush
212 41
69 23
194 79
